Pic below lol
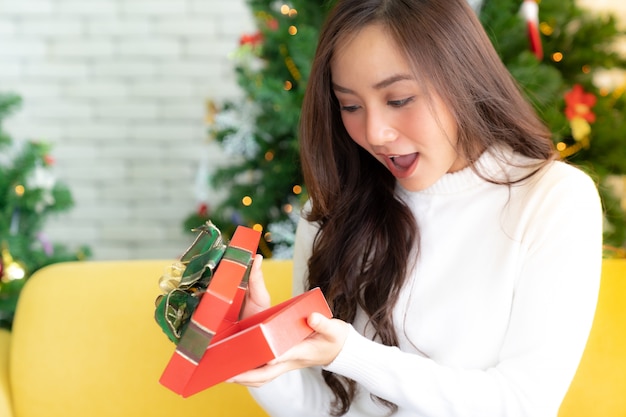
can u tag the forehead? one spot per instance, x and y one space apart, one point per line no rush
369 52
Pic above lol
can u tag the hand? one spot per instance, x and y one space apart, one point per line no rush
257 297
319 349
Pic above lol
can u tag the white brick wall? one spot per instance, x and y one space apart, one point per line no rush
119 87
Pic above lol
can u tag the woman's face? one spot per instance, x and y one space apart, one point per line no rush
385 110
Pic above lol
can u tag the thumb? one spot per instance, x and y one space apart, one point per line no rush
333 331
318 322
257 296
257 261
255 280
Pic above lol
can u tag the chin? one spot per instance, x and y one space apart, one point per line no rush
413 186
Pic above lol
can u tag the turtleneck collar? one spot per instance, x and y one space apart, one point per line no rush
496 163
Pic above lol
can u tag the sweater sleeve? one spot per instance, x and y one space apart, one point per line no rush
554 303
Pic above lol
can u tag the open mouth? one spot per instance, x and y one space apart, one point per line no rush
402 165
403 161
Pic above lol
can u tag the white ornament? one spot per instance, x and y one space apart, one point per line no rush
476 5
242 121
42 179
201 190
284 234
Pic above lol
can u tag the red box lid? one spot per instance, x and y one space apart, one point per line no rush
223 297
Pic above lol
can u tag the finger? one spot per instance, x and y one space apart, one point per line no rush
257 262
315 321
259 376
257 297
257 291
333 330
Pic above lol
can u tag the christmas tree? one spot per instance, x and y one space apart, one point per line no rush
260 132
554 49
28 194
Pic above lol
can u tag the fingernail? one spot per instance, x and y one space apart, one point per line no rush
314 319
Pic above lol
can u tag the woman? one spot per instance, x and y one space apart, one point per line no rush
460 259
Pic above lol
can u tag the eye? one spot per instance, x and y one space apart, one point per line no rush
349 109
400 103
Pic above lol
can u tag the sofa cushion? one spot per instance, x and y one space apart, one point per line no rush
85 343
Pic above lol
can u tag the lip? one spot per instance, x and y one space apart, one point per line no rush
401 172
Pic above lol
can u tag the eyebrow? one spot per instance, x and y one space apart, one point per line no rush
379 85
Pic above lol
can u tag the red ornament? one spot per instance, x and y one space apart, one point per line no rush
272 24
203 210
579 104
253 39
48 160
530 13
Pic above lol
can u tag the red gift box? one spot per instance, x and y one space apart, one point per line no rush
217 346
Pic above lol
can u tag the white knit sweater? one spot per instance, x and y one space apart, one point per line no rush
496 313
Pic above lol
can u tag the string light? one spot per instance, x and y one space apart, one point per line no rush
287 208
586 69
546 29
297 190
288 85
288 11
567 151
246 201
268 237
557 57
12 269
262 15
290 64
293 30
19 190
257 227
269 155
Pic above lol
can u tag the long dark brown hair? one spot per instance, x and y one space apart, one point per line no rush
367 236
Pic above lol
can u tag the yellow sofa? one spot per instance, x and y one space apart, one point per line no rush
84 343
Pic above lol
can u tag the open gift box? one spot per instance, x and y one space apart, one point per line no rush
217 345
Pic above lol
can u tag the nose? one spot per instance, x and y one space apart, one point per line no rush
379 130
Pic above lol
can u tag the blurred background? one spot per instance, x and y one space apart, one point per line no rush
125 123
120 89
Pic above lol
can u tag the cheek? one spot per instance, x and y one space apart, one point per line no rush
354 128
